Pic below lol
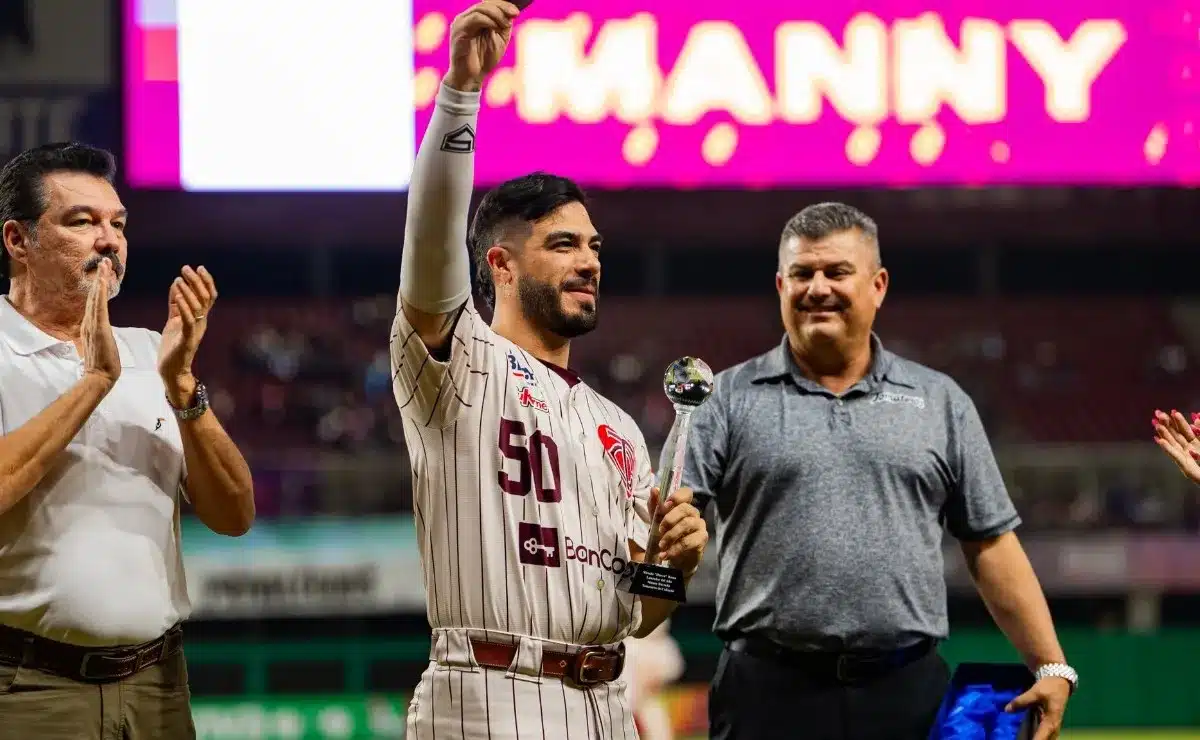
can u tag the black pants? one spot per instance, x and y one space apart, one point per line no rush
757 698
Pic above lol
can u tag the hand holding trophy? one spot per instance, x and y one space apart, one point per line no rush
687 382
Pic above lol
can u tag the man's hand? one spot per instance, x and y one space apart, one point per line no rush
682 532
1178 439
98 348
191 298
478 37
1049 697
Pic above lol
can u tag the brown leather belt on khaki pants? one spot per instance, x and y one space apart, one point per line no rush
590 666
95 665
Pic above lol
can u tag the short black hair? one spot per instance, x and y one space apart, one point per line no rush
821 220
22 184
518 202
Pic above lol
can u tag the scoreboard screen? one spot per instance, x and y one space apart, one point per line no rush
271 95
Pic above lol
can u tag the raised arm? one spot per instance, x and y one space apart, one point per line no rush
435 280
28 452
437 337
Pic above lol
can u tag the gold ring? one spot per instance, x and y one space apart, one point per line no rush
199 316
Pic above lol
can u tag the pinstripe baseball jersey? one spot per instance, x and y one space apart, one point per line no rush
528 485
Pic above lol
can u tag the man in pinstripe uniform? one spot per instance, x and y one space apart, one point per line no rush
533 493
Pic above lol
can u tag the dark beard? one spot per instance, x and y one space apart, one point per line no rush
542 305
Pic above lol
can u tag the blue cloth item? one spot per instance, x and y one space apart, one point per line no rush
978 714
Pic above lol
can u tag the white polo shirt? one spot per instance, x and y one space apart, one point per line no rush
92 555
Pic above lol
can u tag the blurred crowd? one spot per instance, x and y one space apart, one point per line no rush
304 386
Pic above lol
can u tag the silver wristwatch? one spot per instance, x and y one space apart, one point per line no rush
1058 670
198 407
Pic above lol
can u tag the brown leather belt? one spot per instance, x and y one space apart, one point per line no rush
93 665
590 666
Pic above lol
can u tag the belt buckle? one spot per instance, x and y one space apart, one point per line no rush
583 664
842 669
83 667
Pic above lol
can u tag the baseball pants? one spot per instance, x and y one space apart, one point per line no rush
459 700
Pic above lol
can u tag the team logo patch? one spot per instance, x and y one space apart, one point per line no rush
459 141
621 452
528 396
519 370
539 545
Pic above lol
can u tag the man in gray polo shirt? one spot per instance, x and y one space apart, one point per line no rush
834 466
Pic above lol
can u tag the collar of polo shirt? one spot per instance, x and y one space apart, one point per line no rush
26 339
20 334
884 365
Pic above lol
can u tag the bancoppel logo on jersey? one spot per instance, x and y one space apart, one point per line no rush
620 452
520 370
539 545
598 558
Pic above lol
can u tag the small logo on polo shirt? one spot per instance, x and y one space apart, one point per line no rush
890 397
158 423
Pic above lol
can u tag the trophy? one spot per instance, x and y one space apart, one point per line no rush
687 383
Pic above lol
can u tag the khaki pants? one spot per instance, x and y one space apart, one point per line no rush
153 704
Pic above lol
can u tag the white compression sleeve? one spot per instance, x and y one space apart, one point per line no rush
435 268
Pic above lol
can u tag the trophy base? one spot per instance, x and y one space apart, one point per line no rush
658 581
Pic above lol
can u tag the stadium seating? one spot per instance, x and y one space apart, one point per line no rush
1080 370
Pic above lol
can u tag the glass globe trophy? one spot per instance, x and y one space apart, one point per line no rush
687 383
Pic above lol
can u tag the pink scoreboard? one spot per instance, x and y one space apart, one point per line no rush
634 93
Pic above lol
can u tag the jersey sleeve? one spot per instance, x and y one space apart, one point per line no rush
433 392
637 513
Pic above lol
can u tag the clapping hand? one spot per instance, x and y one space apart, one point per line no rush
1177 438
98 348
190 300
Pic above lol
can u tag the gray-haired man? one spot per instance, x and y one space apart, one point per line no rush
834 465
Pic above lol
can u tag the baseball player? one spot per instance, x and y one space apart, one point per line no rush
532 492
